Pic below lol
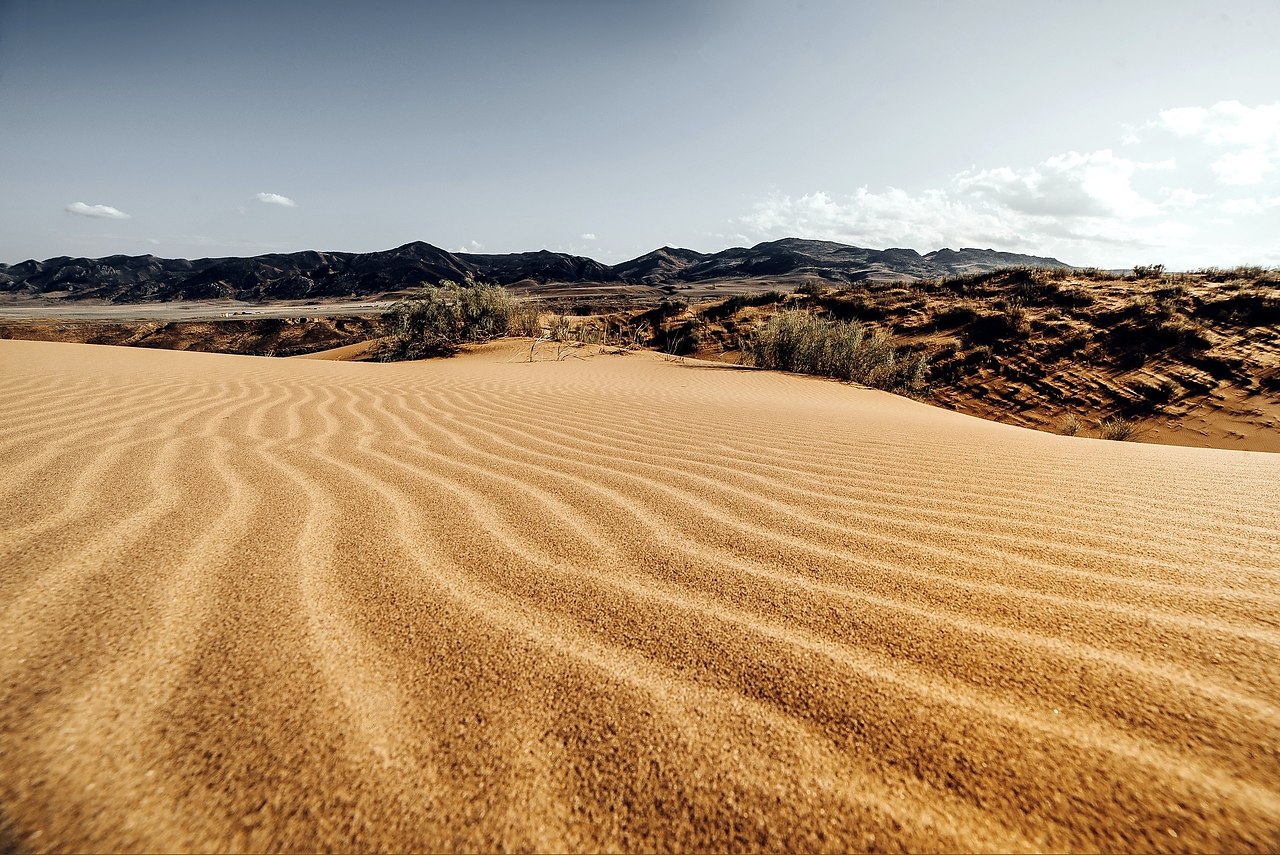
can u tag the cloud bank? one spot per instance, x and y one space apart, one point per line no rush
1093 207
1252 135
276 199
101 212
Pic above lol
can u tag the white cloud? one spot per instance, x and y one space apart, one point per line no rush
935 218
1253 133
587 236
103 212
276 199
1249 206
1227 123
1096 207
1180 198
1249 166
891 218
1068 206
1072 185
473 246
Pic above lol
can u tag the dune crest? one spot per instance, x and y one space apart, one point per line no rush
618 603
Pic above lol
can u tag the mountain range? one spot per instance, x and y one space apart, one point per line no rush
314 275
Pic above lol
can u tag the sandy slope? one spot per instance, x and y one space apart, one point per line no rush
615 603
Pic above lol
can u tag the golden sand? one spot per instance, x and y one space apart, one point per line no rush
614 603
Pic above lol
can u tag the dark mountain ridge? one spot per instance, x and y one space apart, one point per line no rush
316 275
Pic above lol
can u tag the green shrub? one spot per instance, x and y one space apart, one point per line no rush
805 343
439 320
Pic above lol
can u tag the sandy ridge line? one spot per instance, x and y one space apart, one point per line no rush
246 698
938 480
618 436
692 504
23 435
964 536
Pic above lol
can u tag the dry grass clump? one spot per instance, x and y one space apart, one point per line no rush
1244 272
1071 425
1148 271
437 321
525 320
1118 428
800 341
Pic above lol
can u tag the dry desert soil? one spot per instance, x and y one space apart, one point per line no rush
613 603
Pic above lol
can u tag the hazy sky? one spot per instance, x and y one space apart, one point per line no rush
1106 133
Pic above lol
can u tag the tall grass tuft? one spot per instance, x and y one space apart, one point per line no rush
800 341
437 321
1118 428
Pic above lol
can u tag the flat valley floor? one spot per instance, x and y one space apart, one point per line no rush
613 603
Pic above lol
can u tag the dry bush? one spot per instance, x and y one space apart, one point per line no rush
1117 428
525 320
560 329
1070 425
813 289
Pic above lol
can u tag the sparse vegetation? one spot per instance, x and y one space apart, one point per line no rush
560 329
437 321
525 320
800 341
813 289
1117 428
1052 348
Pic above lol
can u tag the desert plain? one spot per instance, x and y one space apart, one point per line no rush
614 602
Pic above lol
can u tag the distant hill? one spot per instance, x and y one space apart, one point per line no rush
835 262
318 275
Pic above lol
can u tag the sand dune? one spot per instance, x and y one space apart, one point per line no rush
614 603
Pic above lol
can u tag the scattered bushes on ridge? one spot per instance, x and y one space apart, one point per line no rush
805 343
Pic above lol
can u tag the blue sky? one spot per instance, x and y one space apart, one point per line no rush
1101 133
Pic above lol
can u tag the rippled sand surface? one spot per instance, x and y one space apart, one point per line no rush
613 603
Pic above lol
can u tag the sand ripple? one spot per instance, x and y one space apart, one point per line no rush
616 603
